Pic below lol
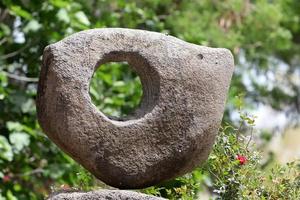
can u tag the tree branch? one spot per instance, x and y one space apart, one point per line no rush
3 15
3 41
14 53
20 78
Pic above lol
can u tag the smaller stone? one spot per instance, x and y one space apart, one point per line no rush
103 194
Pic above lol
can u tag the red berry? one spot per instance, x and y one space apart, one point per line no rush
6 178
242 159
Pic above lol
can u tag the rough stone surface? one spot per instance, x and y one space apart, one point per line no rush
104 195
173 130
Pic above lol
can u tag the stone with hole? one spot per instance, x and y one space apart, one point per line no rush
172 131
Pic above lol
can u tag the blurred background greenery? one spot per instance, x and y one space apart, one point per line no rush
263 35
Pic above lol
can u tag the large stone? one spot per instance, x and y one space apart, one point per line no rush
103 195
173 130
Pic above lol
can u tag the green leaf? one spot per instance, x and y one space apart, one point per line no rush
94 93
17 10
28 106
17 187
60 3
118 84
19 140
63 16
82 18
5 30
33 26
56 171
6 152
10 196
14 126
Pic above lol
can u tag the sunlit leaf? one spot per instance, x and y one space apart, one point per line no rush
5 149
19 140
17 10
82 18
60 3
63 15
33 25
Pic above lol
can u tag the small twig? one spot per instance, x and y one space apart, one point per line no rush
214 175
35 171
3 41
14 53
20 78
18 176
251 135
3 15
239 132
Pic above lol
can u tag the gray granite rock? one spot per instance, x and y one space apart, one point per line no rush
103 195
173 130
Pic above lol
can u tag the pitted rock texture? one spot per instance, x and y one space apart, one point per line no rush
104 195
173 130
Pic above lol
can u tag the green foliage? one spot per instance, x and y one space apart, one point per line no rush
263 36
233 179
115 89
186 187
234 170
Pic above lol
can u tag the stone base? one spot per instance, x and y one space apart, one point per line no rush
103 194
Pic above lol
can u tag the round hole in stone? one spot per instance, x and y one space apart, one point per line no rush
116 90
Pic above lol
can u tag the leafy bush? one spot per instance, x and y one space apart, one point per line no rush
115 89
235 170
263 35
